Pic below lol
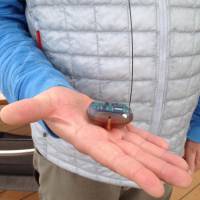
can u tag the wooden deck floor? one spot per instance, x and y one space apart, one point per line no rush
191 193
12 195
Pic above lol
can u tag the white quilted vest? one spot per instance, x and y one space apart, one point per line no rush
90 42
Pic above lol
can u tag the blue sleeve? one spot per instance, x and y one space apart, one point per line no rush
24 69
194 130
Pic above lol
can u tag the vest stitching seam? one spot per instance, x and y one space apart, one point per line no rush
112 5
192 75
116 56
89 4
119 31
156 68
86 31
167 67
97 46
69 42
129 52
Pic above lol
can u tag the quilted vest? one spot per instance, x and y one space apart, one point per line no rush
90 42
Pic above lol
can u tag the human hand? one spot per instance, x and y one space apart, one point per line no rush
129 151
192 155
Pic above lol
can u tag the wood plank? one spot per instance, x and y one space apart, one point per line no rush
34 196
178 193
13 195
194 195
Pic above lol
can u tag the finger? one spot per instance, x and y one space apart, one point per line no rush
148 136
26 111
156 150
111 156
165 171
190 158
197 161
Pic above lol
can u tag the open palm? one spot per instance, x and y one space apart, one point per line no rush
129 151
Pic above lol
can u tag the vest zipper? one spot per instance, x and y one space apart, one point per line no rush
162 68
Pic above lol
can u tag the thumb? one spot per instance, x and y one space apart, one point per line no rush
27 111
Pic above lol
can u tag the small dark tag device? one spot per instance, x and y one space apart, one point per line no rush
109 115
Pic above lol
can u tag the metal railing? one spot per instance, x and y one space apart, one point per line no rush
21 152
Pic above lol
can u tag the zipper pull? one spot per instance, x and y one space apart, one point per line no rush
39 39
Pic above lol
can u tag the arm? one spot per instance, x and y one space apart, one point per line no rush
192 147
194 131
24 69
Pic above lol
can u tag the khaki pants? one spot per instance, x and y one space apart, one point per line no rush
58 184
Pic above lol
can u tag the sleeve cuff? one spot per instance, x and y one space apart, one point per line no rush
194 134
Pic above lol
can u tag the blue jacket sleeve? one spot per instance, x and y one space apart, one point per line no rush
24 69
194 130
